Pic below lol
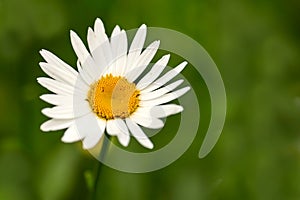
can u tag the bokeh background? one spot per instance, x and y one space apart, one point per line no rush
256 47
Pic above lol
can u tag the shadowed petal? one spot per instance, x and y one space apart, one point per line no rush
139 134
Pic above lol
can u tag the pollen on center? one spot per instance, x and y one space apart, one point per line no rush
113 97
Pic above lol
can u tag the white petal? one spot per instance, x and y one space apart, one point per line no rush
81 85
116 31
93 41
111 128
100 31
161 91
78 46
166 77
123 136
91 68
136 46
56 124
56 86
138 133
160 111
58 73
147 121
165 98
71 135
119 50
84 57
165 110
101 123
67 111
103 57
90 141
55 99
99 47
114 45
60 88
93 128
65 76
155 71
111 69
143 61
54 60
118 128
84 75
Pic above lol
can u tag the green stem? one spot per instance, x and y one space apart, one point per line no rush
102 156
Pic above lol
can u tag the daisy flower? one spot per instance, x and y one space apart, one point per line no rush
108 92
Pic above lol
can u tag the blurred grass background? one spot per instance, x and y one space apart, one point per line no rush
256 47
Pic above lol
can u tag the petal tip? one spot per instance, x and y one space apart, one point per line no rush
180 109
44 128
184 63
85 147
45 111
64 140
39 79
90 30
143 26
167 56
42 96
73 35
41 51
72 32
124 143
98 20
150 146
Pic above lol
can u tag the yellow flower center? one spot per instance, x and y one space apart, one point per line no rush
113 97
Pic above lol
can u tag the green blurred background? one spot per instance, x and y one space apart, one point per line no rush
256 47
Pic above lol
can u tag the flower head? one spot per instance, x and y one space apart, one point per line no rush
108 92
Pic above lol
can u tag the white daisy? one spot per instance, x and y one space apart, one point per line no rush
108 89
